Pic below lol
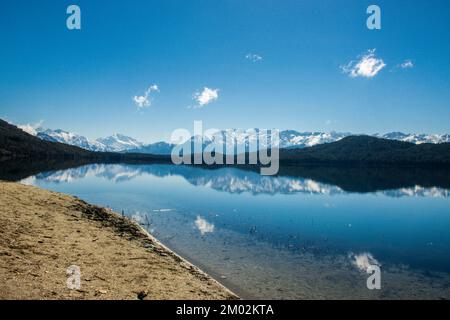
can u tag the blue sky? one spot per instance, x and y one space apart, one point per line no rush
85 80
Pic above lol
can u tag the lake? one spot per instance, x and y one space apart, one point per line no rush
299 235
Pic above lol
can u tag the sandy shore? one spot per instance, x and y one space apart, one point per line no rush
42 233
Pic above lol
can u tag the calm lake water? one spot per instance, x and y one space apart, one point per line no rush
284 237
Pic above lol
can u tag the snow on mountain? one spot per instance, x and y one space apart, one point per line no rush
288 139
119 143
252 140
294 139
114 143
245 140
160 148
69 138
417 138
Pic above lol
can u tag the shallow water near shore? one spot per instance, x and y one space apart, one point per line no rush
283 237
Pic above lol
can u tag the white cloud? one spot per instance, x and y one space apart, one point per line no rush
144 101
407 64
31 128
204 226
253 57
363 261
368 66
206 96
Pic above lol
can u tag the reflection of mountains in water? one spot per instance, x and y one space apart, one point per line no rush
235 180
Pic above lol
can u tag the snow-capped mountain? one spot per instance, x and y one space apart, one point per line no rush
159 148
416 138
114 143
69 138
288 139
119 143
253 140
245 141
294 139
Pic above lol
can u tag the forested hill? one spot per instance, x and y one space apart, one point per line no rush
15 143
366 149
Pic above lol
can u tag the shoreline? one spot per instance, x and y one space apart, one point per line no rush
235 289
196 265
42 233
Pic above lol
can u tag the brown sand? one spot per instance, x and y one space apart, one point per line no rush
42 233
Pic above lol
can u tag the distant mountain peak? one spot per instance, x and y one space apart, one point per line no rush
115 143
119 142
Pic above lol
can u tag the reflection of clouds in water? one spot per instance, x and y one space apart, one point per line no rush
363 260
326 274
204 226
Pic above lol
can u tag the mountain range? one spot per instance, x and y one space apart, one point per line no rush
114 143
15 143
289 139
